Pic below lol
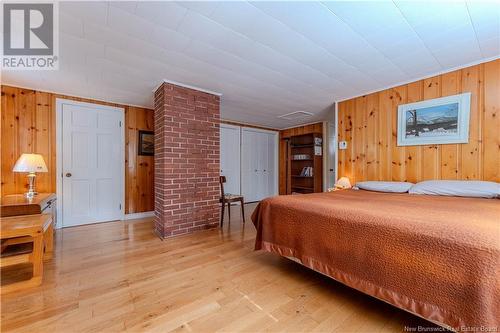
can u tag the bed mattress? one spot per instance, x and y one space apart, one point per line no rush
437 257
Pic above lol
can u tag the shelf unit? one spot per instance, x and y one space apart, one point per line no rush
312 146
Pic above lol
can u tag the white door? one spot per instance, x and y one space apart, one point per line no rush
92 163
263 166
230 157
259 159
248 165
272 167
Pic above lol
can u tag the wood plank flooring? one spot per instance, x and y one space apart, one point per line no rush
119 276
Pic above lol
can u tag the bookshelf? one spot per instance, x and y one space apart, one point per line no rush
305 160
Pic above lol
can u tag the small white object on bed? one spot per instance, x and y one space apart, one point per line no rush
458 188
378 186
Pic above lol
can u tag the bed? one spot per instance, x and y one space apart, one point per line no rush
435 256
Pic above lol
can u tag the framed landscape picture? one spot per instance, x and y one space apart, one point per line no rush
146 143
436 121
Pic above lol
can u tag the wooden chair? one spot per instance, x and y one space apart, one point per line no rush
229 198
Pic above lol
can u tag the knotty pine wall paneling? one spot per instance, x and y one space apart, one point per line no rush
28 125
139 169
369 125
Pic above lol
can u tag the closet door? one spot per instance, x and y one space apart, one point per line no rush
263 166
272 160
249 165
230 157
259 169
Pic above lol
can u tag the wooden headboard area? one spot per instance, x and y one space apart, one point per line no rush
369 125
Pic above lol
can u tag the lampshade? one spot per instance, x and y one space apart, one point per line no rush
30 163
343 182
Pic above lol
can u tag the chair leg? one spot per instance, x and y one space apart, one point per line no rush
243 210
222 214
229 210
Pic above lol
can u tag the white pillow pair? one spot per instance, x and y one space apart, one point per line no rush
459 188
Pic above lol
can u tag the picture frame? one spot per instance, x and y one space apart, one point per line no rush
146 143
442 120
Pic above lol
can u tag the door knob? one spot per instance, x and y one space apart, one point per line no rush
68 174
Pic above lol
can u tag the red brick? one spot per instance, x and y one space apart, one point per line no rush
186 160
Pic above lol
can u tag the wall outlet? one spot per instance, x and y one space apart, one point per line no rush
343 145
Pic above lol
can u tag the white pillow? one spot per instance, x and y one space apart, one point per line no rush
458 188
394 187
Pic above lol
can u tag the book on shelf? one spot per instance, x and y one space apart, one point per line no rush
306 172
299 157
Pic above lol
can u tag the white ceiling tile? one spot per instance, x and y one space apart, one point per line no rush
231 62
400 47
273 34
370 65
203 7
71 25
368 17
133 25
417 63
168 39
78 47
434 16
442 37
129 6
389 75
485 17
460 52
164 13
92 11
490 47
30 79
266 58
202 28
317 23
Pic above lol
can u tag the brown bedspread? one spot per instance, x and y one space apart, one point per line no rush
437 257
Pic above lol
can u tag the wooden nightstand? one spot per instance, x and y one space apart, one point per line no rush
18 204
43 203
23 239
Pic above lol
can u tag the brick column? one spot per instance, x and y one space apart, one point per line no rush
186 160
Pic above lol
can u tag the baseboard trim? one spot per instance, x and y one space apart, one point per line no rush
141 215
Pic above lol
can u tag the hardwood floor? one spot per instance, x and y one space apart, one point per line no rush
119 276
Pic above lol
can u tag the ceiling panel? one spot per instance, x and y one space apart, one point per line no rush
266 58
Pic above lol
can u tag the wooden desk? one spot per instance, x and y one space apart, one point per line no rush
18 204
20 230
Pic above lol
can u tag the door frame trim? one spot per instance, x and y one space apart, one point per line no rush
59 123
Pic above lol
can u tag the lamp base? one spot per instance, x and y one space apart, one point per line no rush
30 195
31 186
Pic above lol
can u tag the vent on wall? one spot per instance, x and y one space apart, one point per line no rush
296 115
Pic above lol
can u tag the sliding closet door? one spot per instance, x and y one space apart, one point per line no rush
249 165
230 157
272 164
258 164
263 166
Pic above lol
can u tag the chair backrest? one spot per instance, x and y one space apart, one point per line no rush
222 180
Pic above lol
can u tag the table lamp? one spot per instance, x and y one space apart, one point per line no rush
343 183
30 163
